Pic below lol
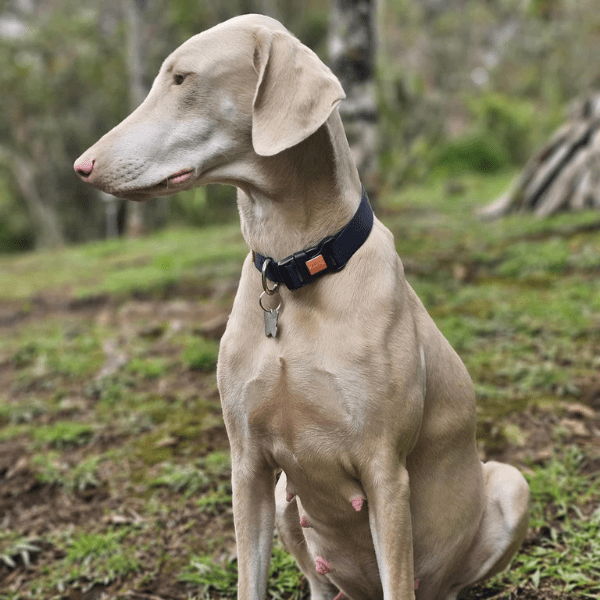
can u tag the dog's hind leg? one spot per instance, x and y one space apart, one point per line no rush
502 528
288 524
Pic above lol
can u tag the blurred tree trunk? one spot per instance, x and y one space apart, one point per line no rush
562 175
44 219
352 54
136 217
133 8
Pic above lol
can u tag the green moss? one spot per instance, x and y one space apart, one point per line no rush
149 449
124 266
63 433
187 423
148 367
201 355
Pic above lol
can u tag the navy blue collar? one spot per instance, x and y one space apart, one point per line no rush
329 256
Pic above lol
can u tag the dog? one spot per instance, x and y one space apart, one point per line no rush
351 419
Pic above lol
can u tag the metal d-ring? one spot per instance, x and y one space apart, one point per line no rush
266 309
269 291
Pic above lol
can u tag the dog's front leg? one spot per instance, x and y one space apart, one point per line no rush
388 496
253 487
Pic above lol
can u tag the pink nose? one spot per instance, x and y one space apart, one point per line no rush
85 168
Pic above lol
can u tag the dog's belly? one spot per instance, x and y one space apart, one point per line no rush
337 535
333 518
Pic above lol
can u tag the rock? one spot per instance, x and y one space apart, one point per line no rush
577 409
575 426
167 442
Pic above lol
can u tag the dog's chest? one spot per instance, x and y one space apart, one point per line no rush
297 409
292 403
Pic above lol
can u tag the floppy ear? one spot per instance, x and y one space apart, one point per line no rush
295 93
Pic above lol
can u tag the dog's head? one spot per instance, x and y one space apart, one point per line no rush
244 88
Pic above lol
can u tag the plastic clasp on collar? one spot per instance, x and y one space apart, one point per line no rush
305 265
292 273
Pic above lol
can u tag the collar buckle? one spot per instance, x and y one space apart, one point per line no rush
312 261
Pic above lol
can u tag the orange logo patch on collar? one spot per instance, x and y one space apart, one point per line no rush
316 264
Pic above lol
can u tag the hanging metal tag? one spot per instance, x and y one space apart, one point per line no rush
271 318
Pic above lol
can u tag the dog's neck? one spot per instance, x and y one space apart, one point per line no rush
301 195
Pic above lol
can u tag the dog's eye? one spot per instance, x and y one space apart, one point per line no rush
178 78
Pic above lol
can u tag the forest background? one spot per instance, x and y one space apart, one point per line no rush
461 84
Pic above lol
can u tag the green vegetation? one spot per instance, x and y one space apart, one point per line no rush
175 258
201 355
97 558
182 478
114 461
14 549
565 521
62 433
475 86
285 580
49 469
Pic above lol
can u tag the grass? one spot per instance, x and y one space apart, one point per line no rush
51 470
24 412
147 367
285 580
188 479
201 355
111 432
98 557
15 549
564 546
510 296
121 267
62 433
519 299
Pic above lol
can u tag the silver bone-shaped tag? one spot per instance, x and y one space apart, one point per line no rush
271 318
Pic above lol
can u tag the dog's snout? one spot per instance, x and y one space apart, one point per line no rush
84 168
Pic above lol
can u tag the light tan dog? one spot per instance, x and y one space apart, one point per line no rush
359 399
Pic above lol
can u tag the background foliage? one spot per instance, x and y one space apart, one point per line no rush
464 85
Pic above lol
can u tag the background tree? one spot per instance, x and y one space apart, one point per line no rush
564 174
352 54
50 70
